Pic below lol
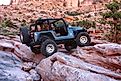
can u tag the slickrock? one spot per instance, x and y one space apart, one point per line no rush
10 68
66 67
13 44
101 60
108 49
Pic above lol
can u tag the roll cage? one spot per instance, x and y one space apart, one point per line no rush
58 25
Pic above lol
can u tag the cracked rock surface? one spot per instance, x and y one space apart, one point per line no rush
64 67
10 68
99 62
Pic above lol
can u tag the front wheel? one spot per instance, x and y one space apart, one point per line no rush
48 47
83 39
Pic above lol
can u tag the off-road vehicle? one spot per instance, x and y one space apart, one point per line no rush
45 34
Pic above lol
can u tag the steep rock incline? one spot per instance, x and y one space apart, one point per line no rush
104 55
66 67
13 44
17 62
10 68
99 62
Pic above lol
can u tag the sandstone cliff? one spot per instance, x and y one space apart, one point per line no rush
68 3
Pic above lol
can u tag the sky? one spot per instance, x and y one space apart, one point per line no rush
5 2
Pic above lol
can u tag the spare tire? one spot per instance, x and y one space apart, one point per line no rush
24 35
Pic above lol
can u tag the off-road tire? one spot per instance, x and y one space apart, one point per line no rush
70 45
83 39
44 46
24 32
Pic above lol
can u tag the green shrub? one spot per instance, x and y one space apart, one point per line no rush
113 6
87 24
7 27
74 13
107 15
7 23
115 23
102 21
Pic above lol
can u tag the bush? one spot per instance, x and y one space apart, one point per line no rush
107 15
102 21
113 6
87 24
7 23
74 13
7 27
115 15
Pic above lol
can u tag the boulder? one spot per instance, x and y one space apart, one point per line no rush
23 51
13 44
10 68
27 66
16 47
35 75
108 49
6 45
91 55
62 67
96 41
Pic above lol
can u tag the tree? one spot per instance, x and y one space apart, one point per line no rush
113 17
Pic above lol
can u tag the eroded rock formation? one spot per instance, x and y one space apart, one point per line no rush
101 62
61 67
68 3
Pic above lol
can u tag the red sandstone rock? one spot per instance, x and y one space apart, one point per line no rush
108 49
64 67
13 45
96 57
101 60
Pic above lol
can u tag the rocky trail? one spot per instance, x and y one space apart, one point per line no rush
99 62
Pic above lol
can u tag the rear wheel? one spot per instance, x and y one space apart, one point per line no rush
70 45
35 50
48 47
83 39
24 35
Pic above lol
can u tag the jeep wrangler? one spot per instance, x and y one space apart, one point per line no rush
45 34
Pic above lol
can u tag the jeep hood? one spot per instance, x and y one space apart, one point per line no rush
76 28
